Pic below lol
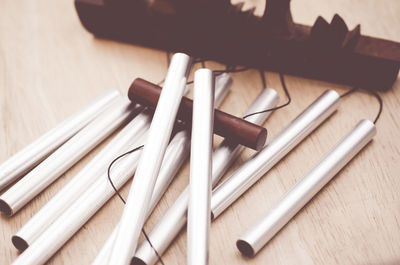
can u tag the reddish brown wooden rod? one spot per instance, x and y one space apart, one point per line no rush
225 125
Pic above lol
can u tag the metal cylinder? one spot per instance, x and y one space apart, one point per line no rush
225 125
228 150
133 216
309 185
254 168
27 158
200 168
79 212
65 157
174 220
126 138
223 83
176 154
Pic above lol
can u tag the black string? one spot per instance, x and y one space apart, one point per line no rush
289 99
373 93
231 69
151 245
112 163
203 65
380 101
123 200
348 92
263 79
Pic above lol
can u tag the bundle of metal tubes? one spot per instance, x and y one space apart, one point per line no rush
149 119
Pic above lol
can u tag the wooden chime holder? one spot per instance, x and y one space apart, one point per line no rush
218 30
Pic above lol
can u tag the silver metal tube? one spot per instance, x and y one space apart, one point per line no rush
174 220
309 185
126 138
27 158
199 217
134 214
228 151
222 84
80 211
176 154
254 168
65 157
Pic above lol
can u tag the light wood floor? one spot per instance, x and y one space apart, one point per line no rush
50 66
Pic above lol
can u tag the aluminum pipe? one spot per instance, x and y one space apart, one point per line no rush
27 158
223 83
306 188
65 157
174 220
259 164
126 138
176 154
135 211
228 151
199 218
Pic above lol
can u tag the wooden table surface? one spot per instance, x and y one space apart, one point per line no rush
50 66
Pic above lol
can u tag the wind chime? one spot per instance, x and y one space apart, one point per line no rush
161 127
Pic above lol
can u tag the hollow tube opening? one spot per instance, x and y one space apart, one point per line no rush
245 248
19 243
5 208
137 261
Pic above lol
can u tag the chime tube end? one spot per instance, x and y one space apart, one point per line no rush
137 261
245 248
5 208
19 243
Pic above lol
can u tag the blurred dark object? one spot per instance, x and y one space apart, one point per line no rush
218 30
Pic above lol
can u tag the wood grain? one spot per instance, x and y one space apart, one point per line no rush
50 66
